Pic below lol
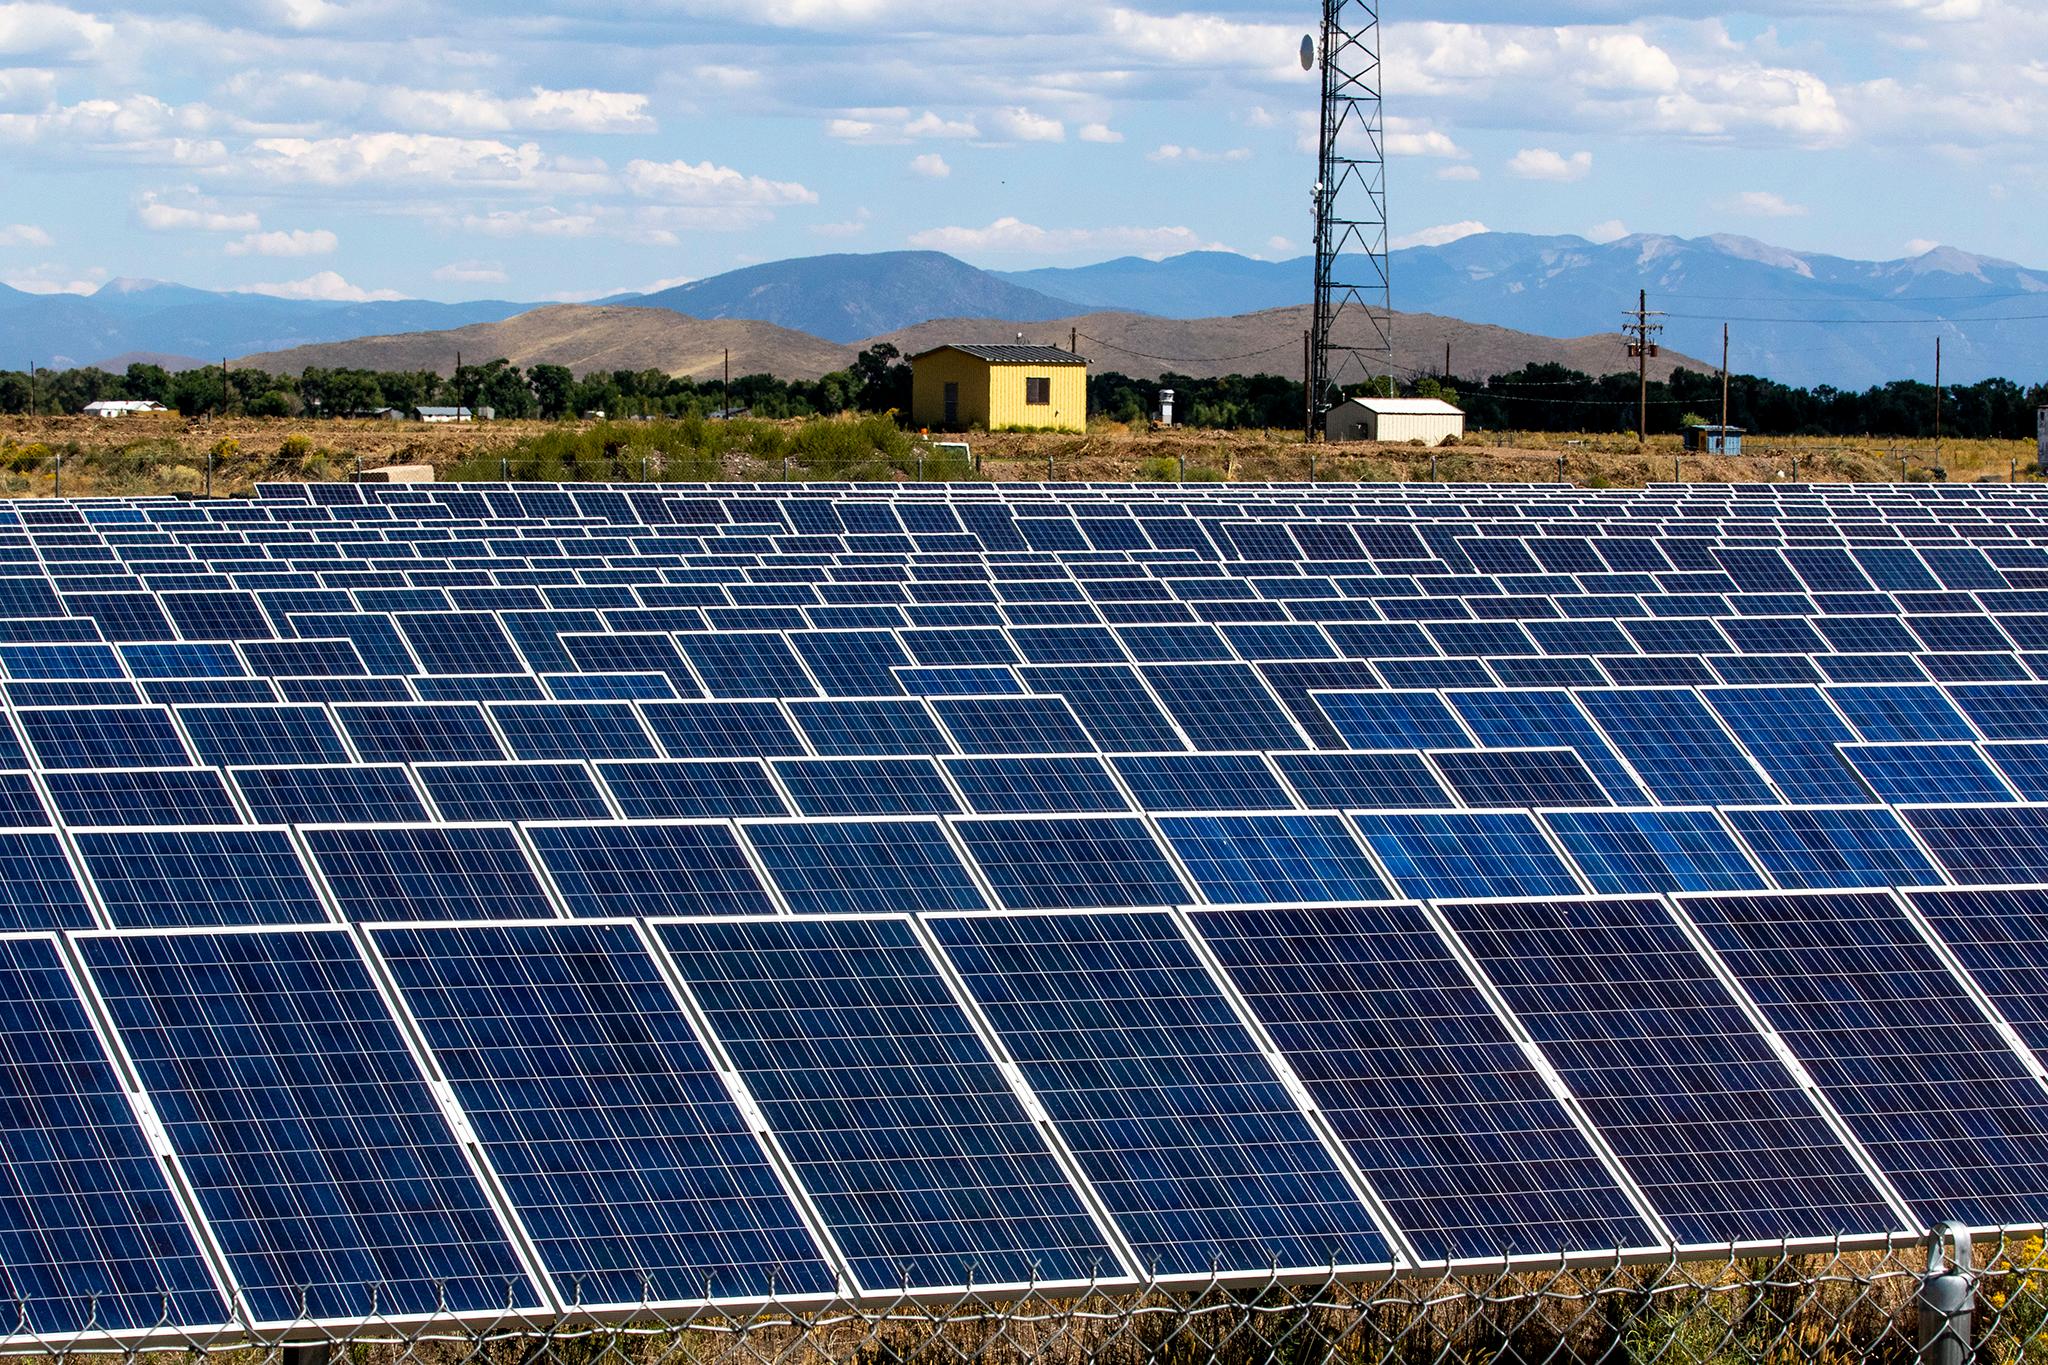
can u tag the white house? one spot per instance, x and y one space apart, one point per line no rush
443 415
1428 420
123 407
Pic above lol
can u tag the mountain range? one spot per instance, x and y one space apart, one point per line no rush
1801 318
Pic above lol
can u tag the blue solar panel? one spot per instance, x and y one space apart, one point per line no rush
142 796
428 872
1984 845
361 793
1676 746
1630 852
660 1192
1999 935
1792 733
1080 864
747 664
1113 705
1451 1124
1932 773
1393 720
855 867
683 789
1179 782
866 786
1856 846
1392 780
714 729
90 1234
1707 1120
1011 725
881 727
344 1193
1434 855
467 792
2005 710
647 869
584 729
109 737
423 732
887 1104
21 805
1519 778
1897 714
2023 763
1157 1087
233 736
1926 1083
1223 706
176 878
1258 859
1075 784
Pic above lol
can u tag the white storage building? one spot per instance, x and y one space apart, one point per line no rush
1428 420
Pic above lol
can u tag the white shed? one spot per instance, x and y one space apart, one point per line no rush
123 407
1428 420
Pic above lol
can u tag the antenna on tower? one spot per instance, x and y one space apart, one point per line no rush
1352 335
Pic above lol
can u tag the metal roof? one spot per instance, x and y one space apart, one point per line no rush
1011 355
1405 407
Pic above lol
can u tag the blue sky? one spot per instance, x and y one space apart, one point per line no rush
502 148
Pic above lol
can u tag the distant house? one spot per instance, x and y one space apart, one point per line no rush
1713 440
953 388
1428 420
446 415
378 415
123 407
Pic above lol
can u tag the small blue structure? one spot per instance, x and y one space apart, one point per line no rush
1714 440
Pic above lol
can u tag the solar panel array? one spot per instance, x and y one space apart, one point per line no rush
495 900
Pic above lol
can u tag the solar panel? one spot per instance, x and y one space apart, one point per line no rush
370 1208
1898 714
1792 733
1929 1087
363 793
1389 780
231 736
1087 863
1167 1143
1722 1138
1984 845
1113 705
91 1235
1434 855
1256 859
887 1104
1934 773
880 727
1393 720
1633 852
1675 744
188 878
141 796
864 866
420 732
1011 725
1850 846
103 737
683 789
660 1193
607 870
2022 763
866 786
2005 710
1036 784
427 872
21 805
1998 935
1186 782
1451 1124
484 792
714 729
1223 707
746 664
1516 779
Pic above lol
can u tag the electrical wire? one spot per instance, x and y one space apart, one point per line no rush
1185 359
1866 322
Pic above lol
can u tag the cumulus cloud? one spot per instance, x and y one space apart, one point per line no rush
1013 236
414 161
472 272
1613 230
1766 204
37 32
705 184
1920 246
931 166
1442 235
1541 163
1099 132
1022 125
23 234
199 216
297 242
325 287
540 110
1173 152
1460 173
897 126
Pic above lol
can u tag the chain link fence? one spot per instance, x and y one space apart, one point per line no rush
1841 1306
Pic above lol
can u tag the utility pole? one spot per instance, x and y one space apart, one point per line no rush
1074 341
1447 358
725 393
1937 402
227 396
1642 337
1308 386
1724 388
31 388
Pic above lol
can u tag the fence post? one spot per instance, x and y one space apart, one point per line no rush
57 491
1311 466
209 473
359 469
1947 1292
504 469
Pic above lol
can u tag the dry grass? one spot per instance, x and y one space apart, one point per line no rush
170 456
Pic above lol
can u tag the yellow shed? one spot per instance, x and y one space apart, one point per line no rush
999 387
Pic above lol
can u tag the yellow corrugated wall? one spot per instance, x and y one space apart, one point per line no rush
992 396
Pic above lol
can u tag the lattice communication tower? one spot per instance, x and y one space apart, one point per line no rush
1352 338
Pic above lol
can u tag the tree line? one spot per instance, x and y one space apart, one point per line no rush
1534 398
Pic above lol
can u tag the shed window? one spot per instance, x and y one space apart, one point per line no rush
1038 391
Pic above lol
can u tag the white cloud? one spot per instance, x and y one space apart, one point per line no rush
1540 163
1464 174
297 242
1022 125
541 110
1412 137
1281 246
50 33
23 234
705 184
325 287
538 222
1099 132
1766 204
1013 236
1173 152
1441 235
55 279
852 227
472 272
416 161
898 125
931 166
1613 230
26 88
202 216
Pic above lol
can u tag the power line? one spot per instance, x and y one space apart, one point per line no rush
1867 322
1186 359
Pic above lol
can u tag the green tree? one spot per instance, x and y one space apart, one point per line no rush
554 388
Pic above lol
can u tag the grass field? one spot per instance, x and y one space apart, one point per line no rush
164 456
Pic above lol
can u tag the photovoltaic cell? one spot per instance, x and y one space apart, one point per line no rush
1639 852
1450 1122
142 796
1074 784
650 869
188 878
91 1237
1393 720
866 786
881 727
1186 782
343 1195
713 729
685 789
1242 1182
1437 855
235 736
103 737
1011 725
1707 1120
1246 859
1984 845
1677 746
863 866
422 732
1515 779
363 793
484 792
1793 733
1932 773
2000 935
1821 847
898 1123
1389 780
428 872
1925 1082
1042 864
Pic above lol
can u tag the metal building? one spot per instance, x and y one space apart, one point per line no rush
996 388
1428 420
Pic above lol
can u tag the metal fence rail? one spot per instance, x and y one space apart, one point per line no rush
1844 1306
